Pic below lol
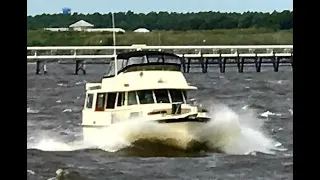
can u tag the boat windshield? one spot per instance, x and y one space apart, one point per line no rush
111 68
158 96
145 62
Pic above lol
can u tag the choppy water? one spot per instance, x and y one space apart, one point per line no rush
257 104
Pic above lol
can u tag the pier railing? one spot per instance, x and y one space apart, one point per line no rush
106 52
203 55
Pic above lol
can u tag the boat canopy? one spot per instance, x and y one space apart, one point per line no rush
144 61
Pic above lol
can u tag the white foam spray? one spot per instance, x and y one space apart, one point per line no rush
233 133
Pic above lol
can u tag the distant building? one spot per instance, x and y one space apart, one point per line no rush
117 30
81 26
85 26
142 30
56 29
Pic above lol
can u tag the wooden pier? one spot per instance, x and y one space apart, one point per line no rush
202 55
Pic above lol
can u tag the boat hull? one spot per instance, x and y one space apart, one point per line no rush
177 128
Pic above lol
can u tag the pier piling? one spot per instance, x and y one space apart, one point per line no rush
258 61
80 65
41 65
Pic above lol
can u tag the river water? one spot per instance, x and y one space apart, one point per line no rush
260 104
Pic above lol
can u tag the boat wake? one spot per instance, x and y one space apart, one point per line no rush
228 132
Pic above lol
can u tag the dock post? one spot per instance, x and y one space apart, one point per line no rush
188 65
240 63
206 64
41 65
202 64
38 63
276 61
291 61
80 65
202 61
183 63
44 67
222 64
258 62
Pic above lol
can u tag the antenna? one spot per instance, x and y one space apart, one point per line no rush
114 46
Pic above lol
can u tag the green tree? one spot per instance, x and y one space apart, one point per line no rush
170 21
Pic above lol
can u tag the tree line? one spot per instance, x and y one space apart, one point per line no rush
169 21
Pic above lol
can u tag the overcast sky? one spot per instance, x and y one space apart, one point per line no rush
144 6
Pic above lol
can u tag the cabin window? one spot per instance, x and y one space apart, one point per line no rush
123 63
145 97
120 101
89 101
145 59
162 96
111 69
155 59
176 95
111 100
132 98
100 101
135 60
172 59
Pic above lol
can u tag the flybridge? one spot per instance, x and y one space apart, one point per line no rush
144 61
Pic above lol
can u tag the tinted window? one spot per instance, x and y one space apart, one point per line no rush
132 99
176 95
172 59
135 60
100 101
145 97
155 59
120 64
120 99
111 100
89 101
162 96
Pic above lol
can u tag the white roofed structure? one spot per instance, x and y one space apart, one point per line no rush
117 30
142 30
81 25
